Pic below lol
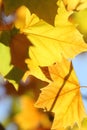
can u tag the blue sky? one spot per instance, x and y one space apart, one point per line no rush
80 66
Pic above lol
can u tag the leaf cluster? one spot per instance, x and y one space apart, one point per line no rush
39 38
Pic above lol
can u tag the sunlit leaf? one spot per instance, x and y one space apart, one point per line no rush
62 96
75 4
44 9
81 24
83 125
34 70
48 41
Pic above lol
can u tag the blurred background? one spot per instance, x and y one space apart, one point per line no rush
17 111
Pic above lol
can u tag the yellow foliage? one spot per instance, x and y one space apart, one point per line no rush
62 96
48 42
75 4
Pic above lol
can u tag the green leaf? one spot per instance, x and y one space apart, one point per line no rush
15 76
45 9
8 71
77 18
5 59
7 35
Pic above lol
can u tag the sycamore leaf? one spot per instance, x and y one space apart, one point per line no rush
62 96
75 4
48 41
44 9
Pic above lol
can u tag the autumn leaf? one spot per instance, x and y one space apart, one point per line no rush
81 24
62 96
48 41
51 41
75 4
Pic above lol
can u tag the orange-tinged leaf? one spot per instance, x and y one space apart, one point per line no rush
62 96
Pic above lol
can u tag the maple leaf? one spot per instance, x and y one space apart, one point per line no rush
48 41
62 96
75 4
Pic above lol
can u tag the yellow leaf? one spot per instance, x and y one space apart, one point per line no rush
77 19
75 4
34 70
62 96
49 42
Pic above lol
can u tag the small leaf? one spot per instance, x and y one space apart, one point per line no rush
14 76
77 19
5 58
